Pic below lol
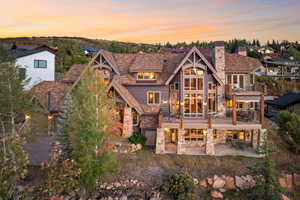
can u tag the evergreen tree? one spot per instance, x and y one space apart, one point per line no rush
266 176
258 43
14 102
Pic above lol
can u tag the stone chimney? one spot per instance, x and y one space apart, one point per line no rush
241 51
218 59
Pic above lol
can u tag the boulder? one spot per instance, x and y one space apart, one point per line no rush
285 197
203 183
216 194
222 190
297 179
139 147
196 182
218 182
210 181
229 182
117 184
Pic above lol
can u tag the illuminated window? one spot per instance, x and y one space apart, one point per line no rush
194 134
212 99
211 102
153 98
229 104
149 76
193 92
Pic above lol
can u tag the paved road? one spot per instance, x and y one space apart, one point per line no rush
39 150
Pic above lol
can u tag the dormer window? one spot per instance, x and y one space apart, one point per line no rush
147 76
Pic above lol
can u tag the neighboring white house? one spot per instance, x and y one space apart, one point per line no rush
38 64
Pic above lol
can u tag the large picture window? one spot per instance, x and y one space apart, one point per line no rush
40 63
212 99
194 134
147 76
193 92
153 98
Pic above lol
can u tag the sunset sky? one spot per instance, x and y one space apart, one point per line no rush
153 21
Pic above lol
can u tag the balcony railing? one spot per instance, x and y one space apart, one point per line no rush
253 89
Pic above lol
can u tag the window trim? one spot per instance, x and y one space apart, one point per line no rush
159 92
38 62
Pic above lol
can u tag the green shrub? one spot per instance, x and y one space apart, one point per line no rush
289 129
180 186
137 138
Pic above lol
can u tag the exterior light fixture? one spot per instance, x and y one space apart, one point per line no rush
204 103
50 117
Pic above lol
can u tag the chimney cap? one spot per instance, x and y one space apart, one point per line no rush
219 43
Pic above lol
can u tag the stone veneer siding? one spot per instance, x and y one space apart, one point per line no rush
127 122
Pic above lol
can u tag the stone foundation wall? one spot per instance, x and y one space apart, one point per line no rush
210 146
127 123
181 142
160 141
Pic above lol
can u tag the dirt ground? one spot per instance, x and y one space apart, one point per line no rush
152 168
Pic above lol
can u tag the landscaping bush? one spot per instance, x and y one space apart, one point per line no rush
180 186
137 138
289 129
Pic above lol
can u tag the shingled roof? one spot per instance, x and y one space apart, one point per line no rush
237 63
73 73
125 94
58 91
145 62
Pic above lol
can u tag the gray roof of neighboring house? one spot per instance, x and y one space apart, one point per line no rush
21 53
285 100
91 49
282 61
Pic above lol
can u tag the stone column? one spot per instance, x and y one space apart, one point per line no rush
210 146
160 141
180 143
261 139
127 122
254 139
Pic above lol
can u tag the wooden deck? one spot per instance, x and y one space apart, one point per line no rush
220 124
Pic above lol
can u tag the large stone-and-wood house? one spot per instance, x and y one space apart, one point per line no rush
184 102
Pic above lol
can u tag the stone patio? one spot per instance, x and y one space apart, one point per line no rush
220 150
